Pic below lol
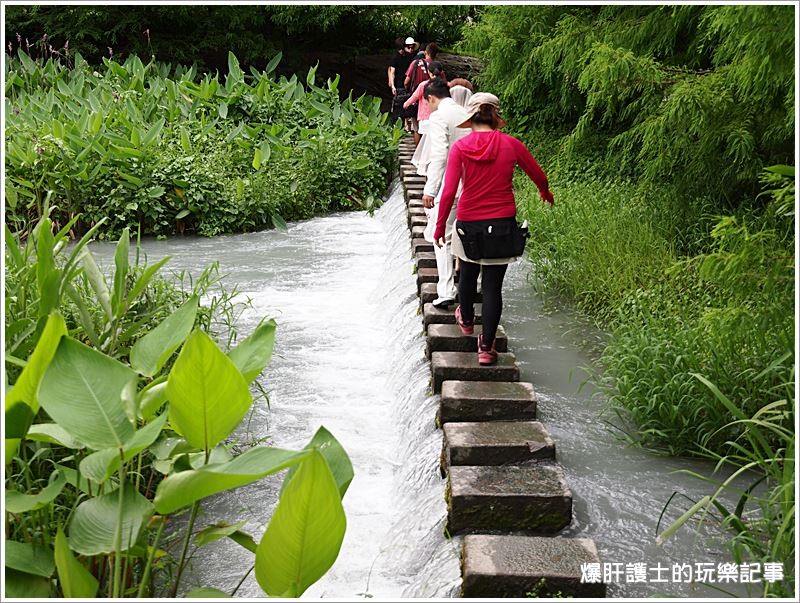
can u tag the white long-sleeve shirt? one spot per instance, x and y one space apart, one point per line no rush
442 133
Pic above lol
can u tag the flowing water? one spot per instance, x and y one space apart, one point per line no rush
349 356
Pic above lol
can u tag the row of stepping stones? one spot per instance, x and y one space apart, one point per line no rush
505 492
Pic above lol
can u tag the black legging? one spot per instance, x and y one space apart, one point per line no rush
492 289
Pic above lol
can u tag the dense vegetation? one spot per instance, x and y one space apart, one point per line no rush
666 132
162 149
109 437
204 34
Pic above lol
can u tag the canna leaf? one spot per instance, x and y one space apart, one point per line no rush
75 580
151 351
17 502
253 354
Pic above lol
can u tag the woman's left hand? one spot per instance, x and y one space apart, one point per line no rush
547 197
439 241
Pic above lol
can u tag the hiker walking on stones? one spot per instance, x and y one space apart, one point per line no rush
487 237
418 72
442 132
396 74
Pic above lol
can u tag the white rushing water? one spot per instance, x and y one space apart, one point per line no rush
349 355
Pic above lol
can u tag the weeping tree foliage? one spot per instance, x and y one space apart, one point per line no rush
699 97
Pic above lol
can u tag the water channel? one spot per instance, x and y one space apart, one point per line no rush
349 356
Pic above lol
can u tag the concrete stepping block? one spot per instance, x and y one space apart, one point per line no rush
426 275
449 338
420 244
486 401
415 205
463 366
419 220
414 190
516 566
496 443
530 498
431 315
425 259
417 231
427 293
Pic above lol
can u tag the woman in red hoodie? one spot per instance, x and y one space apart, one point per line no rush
484 162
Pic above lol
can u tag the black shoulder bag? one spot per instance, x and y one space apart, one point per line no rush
492 239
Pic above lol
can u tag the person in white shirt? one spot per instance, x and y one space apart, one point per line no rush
442 132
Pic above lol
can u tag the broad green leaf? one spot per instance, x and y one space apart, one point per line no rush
20 585
279 223
22 401
184 488
305 533
208 395
92 530
217 531
151 399
17 502
257 156
75 580
255 352
151 351
101 465
97 281
336 457
82 392
206 592
52 433
273 62
222 109
29 558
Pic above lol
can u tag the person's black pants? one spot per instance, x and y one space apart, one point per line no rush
492 289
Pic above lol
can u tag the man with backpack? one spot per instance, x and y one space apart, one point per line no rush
406 51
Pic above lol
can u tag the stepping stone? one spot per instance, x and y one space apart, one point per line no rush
525 566
419 221
426 275
420 244
432 315
417 231
427 293
486 401
425 259
496 443
531 498
415 205
414 198
449 338
463 366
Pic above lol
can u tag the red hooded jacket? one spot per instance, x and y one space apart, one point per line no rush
484 162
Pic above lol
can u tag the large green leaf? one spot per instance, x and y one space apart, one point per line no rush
20 585
75 579
94 524
17 502
22 401
82 391
30 558
206 592
336 457
305 533
184 488
51 433
255 352
151 351
208 395
101 465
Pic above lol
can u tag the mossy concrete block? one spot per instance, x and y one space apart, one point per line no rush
496 443
514 498
425 259
527 566
487 401
463 366
420 244
431 315
449 338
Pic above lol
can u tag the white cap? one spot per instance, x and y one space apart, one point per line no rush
410 40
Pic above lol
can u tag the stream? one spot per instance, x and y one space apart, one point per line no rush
349 355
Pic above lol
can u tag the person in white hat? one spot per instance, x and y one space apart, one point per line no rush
396 73
487 237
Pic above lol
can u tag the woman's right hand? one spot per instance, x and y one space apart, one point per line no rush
547 197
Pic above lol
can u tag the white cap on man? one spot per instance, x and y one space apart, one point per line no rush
410 42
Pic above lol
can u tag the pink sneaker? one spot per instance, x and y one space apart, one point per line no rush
466 328
487 355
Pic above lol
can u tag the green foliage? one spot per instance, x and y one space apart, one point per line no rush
109 470
695 97
163 150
